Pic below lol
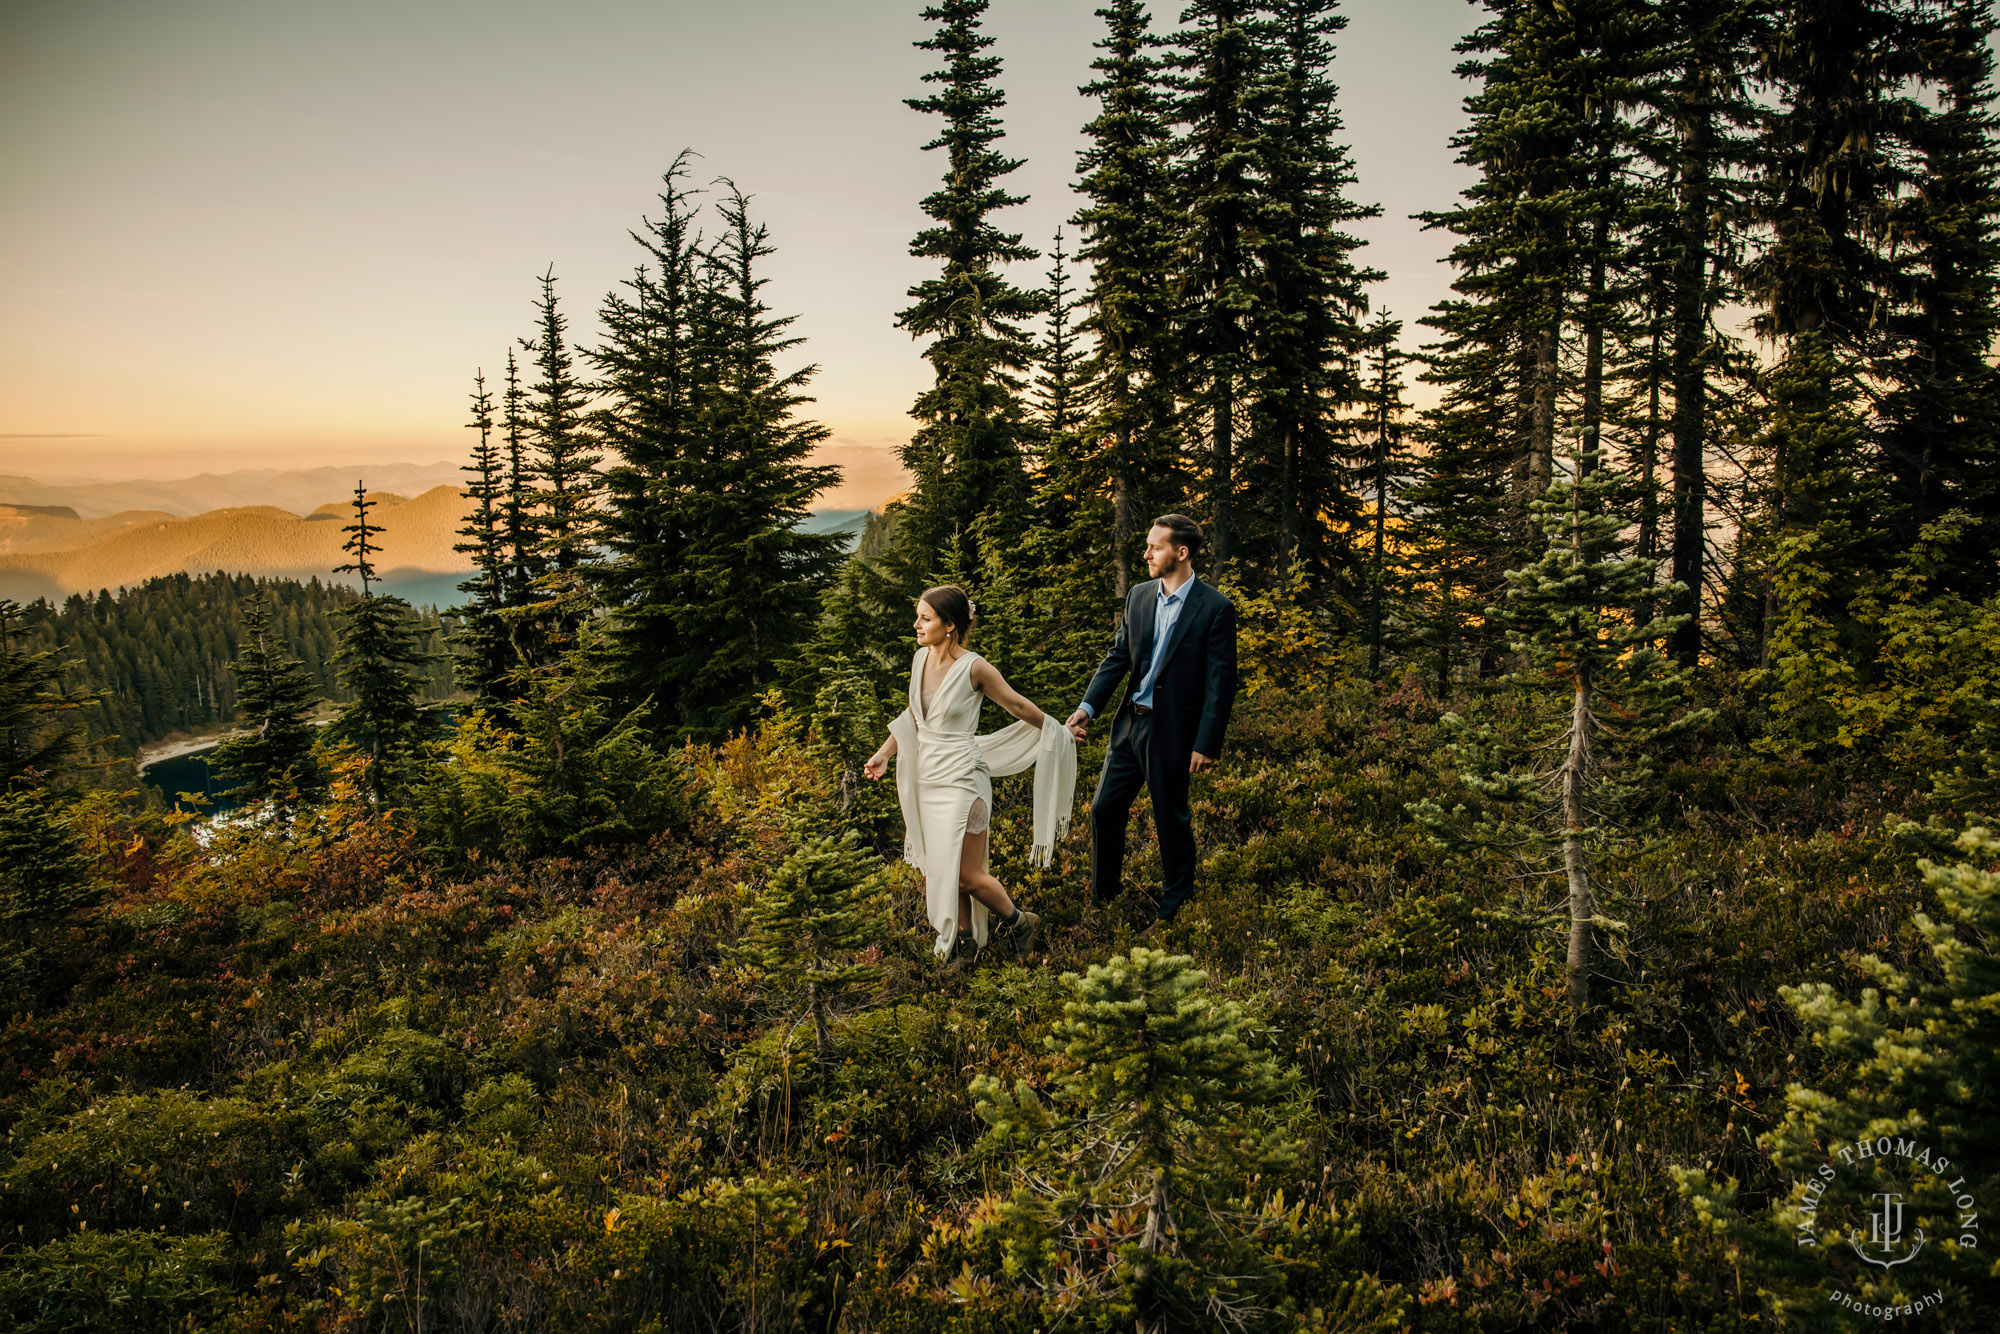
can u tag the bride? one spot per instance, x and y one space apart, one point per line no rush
944 779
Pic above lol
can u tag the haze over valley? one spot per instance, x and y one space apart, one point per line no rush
64 537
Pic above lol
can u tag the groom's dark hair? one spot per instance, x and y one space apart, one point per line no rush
1181 532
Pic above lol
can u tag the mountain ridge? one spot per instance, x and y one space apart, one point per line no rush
82 556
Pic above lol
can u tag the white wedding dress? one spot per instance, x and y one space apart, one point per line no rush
944 780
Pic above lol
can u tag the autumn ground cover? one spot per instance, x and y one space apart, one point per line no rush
308 1074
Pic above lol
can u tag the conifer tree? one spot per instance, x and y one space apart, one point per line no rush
1571 615
1129 452
1074 514
44 879
754 578
565 522
1701 103
275 698
1058 362
1388 467
656 368
44 876
524 561
805 931
1143 1191
1835 164
1941 417
571 768
966 456
1305 329
1832 166
732 586
1491 439
42 721
1813 539
1220 108
1919 1053
482 637
379 663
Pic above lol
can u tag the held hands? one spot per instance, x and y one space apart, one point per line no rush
1078 723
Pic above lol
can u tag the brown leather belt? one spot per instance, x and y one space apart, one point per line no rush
1142 709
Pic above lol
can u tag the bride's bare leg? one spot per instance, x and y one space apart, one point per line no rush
974 881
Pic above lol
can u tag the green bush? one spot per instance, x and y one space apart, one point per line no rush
117 1283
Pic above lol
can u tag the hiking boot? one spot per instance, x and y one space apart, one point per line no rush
964 957
1026 933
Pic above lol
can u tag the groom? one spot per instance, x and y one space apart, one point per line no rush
1178 641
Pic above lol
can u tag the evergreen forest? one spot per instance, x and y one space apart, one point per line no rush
1598 918
157 657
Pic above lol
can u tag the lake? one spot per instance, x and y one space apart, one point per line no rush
190 773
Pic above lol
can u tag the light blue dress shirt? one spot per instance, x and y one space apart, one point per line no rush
1167 610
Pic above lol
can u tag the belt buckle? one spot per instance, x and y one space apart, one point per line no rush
1142 710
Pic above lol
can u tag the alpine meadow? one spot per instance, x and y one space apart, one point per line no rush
1596 921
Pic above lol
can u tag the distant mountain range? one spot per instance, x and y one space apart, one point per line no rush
300 490
43 554
57 540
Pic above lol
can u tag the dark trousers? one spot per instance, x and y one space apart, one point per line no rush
1133 760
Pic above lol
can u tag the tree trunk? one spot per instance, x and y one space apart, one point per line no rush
1542 410
1648 541
1594 312
1219 465
1381 524
1581 908
1691 315
1121 519
1155 1239
1288 506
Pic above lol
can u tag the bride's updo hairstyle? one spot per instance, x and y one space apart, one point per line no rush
953 607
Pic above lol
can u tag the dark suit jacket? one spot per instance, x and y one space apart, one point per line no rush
1196 687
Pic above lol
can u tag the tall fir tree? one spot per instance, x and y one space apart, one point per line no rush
1491 439
1835 166
967 455
1129 453
1700 100
655 365
1220 102
481 641
380 663
751 579
524 560
1305 329
272 756
43 719
711 583
1941 414
1387 470
566 467
1058 384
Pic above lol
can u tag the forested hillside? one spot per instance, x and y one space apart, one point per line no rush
159 654
1595 924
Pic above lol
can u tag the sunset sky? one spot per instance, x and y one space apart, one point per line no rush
243 233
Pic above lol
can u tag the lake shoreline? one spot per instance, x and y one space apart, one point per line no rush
172 750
